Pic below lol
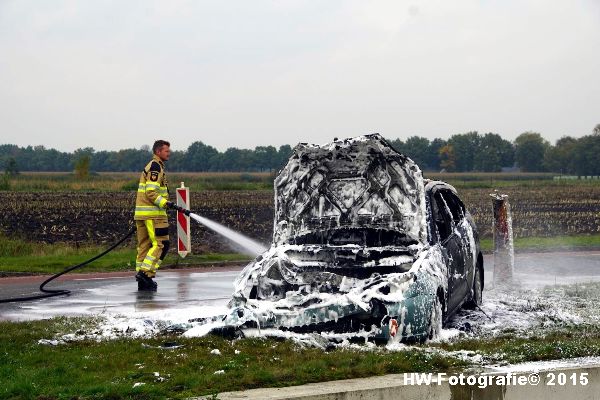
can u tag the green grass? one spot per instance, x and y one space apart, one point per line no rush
17 255
502 183
549 243
566 342
109 369
497 180
121 260
127 181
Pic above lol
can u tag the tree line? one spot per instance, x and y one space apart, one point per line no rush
464 152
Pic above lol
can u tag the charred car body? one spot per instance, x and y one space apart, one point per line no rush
361 243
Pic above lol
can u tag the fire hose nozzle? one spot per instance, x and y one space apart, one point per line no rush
174 206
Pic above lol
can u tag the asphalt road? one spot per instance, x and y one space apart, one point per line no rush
94 294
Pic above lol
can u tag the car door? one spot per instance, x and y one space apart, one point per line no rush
464 230
446 221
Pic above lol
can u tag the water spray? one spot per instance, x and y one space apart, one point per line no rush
242 243
249 246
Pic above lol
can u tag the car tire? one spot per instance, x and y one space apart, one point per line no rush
476 296
436 319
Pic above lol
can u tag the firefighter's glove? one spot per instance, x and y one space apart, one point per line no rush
174 206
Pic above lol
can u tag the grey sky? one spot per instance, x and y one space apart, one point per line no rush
118 74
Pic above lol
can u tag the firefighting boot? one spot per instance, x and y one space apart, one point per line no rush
145 283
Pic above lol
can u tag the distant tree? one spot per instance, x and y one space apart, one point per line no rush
11 168
247 160
465 146
235 159
231 159
417 148
81 154
10 149
82 167
176 161
198 157
216 162
585 155
129 159
283 155
559 158
447 158
101 161
596 130
62 161
493 153
398 145
265 157
462 152
530 148
433 154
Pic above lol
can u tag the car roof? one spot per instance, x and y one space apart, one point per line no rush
433 185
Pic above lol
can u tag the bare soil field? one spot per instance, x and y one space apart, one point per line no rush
102 217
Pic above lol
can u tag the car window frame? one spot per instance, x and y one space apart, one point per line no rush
453 202
435 234
450 199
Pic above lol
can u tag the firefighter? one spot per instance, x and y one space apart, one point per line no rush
150 216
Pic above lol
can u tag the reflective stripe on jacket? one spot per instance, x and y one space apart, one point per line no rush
153 192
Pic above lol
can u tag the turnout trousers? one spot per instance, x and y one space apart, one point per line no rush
153 244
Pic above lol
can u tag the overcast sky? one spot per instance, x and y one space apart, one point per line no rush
120 74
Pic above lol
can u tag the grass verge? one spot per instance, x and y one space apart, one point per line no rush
111 369
560 343
20 256
578 242
126 181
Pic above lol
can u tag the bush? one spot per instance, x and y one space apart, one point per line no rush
5 182
82 167
130 186
11 168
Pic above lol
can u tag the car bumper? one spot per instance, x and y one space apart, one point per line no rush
408 319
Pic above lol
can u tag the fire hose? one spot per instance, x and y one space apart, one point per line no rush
60 292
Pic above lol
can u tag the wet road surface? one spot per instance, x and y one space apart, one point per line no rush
116 293
94 294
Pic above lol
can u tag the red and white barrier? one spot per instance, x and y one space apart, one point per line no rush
184 246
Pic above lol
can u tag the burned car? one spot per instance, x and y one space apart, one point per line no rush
361 243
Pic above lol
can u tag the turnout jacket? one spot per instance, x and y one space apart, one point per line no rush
153 192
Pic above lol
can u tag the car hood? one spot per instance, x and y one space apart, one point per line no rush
353 184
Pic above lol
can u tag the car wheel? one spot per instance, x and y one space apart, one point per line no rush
436 319
476 297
